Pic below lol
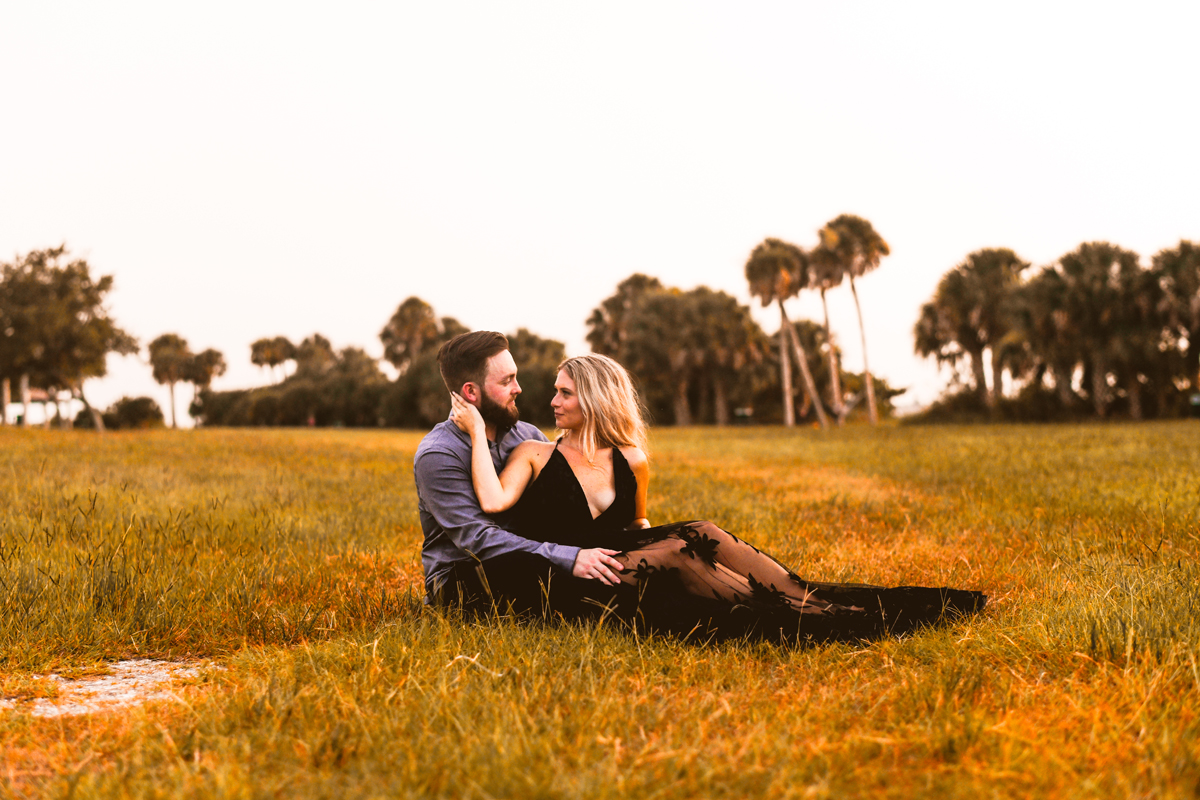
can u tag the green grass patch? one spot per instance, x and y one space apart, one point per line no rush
292 557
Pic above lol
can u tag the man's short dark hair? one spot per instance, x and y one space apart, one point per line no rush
464 358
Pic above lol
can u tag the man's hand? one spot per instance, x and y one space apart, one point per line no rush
597 563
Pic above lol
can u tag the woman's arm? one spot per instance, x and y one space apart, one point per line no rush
640 466
496 493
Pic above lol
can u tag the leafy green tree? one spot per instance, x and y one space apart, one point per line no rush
537 361
971 313
412 328
733 350
351 391
128 413
660 351
329 388
314 356
450 327
169 360
272 352
54 328
859 248
776 271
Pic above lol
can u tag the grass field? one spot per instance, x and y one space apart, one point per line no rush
292 559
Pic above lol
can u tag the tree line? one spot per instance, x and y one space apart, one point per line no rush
315 384
698 355
1096 333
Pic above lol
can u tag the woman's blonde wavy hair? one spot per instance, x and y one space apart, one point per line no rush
613 414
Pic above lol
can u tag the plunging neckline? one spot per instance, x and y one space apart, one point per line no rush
583 491
555 507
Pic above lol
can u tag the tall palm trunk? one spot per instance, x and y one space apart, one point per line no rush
997 379
810 385
683 410
1135 397
835 378
172 385
25 401
785 372
720 401
5 399
978 375
866 370
1099 386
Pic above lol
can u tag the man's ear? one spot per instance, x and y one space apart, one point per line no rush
470 393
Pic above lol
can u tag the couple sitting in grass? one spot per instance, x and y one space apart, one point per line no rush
517 524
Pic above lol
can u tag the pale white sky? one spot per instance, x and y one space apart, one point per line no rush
253 169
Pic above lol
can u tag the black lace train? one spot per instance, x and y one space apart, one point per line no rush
695 578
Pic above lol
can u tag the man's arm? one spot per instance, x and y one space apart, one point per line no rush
444 483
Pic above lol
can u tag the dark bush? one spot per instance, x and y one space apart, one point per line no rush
128 413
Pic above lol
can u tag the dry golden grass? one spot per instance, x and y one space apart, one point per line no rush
292 556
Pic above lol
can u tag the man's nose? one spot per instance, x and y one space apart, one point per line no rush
516 387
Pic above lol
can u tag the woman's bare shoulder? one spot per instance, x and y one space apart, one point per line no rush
532 450
636 457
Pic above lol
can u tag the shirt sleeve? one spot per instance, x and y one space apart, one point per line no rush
444 482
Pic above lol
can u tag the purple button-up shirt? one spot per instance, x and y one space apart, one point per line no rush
455 526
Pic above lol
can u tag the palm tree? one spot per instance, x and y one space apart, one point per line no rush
970 313
272 352
607 325
1097 277
411 328
202 368
1178 271
1044 338
777 270
825 272
859 249
169 358
944 331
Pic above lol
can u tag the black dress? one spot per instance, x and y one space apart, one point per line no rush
693 578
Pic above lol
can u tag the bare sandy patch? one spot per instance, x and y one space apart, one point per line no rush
129 683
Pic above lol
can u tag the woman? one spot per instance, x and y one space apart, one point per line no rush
588 489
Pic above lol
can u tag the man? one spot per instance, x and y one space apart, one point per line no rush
469 557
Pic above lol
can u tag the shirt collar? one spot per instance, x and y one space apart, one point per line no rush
501 433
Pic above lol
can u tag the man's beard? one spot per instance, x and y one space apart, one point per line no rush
497 415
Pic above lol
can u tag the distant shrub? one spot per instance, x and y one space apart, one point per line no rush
128 413
1034 403
953 408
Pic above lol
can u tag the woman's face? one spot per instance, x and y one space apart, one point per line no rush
567 413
